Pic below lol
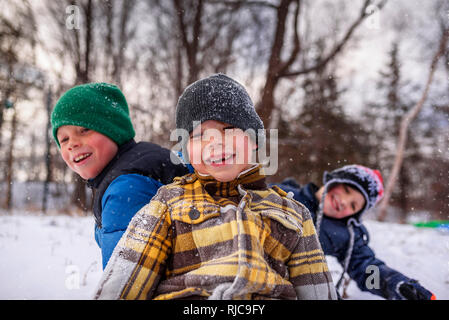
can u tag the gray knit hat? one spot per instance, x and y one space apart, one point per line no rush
219 98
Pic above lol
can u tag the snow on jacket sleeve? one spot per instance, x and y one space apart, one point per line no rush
363 269
126 195
308 269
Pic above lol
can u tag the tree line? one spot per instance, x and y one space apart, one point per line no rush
288 53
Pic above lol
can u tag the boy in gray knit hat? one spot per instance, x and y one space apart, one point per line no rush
220 232
218 98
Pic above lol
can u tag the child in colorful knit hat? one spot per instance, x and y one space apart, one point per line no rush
94 133
220 232
337 207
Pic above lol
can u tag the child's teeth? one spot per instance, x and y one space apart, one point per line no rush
220 160
81 157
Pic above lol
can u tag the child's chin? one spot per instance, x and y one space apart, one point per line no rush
86 175
331 215
223 177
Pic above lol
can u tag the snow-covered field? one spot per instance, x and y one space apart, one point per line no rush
419 253
48 257
56 257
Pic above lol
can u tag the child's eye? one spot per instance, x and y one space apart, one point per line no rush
84 130
229 128
346 189
65 139
196 136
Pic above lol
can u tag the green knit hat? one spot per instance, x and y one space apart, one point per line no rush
100 107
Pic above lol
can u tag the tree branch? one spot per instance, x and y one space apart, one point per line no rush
338 48
197 26
238 3
405 123
191 47
297 44
182 26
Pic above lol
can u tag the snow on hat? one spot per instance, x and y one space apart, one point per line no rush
101 107
219 98
369 182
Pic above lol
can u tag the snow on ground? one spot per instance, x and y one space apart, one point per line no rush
418 253
48 257
56 257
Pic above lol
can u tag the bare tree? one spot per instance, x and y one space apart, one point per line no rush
322 136
10 161
115 20
188 39
15 33
405 123
17 74
383 117
281 68
48 178
78 43
191 46
82 44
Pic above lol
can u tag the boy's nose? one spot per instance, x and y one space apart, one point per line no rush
74 144
343 202
214 150
215 144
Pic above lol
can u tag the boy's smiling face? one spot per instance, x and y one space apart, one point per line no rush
85 151
342 201
220 150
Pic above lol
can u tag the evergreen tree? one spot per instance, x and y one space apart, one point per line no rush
322 137
383 119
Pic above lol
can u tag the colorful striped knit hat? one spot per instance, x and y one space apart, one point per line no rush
369 182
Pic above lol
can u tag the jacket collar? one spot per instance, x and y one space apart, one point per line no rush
252 178
312 204
95 182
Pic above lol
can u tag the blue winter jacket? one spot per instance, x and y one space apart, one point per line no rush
126 195
334 238
128 183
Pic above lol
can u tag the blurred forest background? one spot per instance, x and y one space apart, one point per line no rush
336 77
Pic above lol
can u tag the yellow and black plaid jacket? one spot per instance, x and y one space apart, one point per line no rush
200 238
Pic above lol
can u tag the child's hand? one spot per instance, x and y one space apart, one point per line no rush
412 290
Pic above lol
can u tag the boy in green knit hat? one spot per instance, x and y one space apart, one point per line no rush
93 130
